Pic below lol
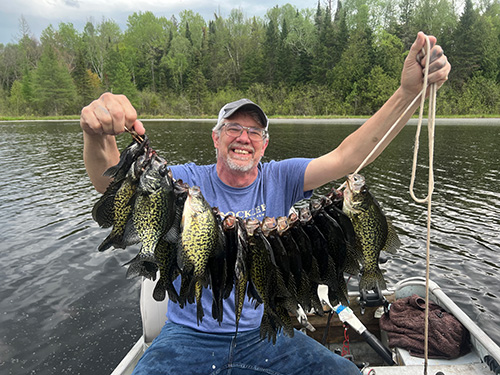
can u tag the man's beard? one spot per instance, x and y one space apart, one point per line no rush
237 167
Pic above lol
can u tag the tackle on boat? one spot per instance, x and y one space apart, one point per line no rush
277 262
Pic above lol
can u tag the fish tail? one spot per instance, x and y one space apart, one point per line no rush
372 278
268 327
199 308
159 293
142 268
186 293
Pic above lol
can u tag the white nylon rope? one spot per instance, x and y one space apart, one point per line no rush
428 198
431 126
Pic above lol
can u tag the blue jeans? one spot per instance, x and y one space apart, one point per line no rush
181 350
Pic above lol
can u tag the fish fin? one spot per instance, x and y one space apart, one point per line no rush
103 209
180 256
354 256
173 234
140 258
392 242
253 294
268 327
172 293
106 244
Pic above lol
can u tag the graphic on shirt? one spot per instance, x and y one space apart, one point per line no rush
258 212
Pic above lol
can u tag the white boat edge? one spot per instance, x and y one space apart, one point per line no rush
153 315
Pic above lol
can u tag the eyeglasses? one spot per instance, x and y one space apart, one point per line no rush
235 130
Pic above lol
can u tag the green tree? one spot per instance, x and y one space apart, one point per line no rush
54 91
146 41
177 61
18 105
98 40
87 87
118 77
347 77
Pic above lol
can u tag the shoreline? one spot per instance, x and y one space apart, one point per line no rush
305 121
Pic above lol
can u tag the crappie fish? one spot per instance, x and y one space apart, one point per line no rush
103 210
153 214
287 267
166 257
123 204
270 230
309 264
373 231
332 203
200 240
306 296
337 247
267 282
236 244
218 268
166 249
319 245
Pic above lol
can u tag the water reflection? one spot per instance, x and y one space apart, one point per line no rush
66 308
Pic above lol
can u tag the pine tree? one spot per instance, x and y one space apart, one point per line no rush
54 90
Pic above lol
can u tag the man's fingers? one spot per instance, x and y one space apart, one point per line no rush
139 127
420 46
89 121
110 114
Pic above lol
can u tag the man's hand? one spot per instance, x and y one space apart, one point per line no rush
413 70
100 121
109 115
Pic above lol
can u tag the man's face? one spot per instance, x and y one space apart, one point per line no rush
239 153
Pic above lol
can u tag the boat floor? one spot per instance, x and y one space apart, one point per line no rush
468 369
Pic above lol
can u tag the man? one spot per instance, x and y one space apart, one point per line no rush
240 184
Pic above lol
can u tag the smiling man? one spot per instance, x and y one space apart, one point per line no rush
239 183
240 139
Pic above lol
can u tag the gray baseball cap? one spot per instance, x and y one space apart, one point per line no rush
231 108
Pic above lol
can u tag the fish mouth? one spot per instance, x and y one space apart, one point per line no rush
251 225
355 182
194 199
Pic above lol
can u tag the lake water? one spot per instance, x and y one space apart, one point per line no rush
65 308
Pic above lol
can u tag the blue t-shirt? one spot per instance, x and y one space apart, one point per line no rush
277 187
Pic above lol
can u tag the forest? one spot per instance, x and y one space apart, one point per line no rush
342 58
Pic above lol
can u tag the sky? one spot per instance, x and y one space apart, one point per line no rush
41 13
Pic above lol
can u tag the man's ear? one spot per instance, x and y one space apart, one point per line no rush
215 138
264 146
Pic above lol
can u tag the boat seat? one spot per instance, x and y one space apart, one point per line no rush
153 313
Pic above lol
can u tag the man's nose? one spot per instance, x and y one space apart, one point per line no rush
244 136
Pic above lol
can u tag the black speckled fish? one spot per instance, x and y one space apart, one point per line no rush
268 283
103 210
153 215
200 240
237 250
373 231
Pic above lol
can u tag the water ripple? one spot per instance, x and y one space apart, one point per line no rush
66 308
